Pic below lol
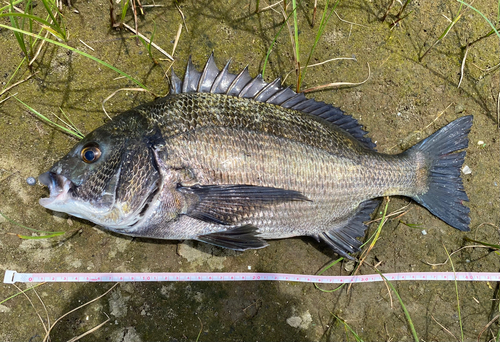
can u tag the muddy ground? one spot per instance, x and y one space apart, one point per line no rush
404 100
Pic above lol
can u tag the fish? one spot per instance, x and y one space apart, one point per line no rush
231 160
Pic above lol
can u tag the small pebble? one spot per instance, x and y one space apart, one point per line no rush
424 232
480 142
31 181
249 267
459 108
349 266
466 170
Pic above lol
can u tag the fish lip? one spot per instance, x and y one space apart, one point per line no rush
59 186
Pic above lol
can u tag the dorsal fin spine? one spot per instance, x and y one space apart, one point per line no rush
204 72
260 95
213 80
290 101
219 78
249 86
277 94
175 84
236 79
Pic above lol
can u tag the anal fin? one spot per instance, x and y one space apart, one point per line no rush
344 240
239 238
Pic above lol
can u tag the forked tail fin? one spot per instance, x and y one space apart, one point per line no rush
445 195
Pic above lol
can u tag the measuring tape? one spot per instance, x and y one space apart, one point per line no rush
12 277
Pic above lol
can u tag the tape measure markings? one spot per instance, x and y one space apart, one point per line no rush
12 277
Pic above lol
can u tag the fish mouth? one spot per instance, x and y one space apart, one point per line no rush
59 187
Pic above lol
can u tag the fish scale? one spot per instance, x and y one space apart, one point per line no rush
189 111
231 160
283 163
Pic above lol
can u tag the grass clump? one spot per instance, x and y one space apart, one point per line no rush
295 39
72 49
26 20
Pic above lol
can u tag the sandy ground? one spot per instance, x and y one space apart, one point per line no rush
404 100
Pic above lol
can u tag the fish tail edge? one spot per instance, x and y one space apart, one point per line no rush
445 191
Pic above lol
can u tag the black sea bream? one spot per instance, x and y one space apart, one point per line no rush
232 160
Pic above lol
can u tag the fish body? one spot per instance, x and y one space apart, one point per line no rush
232 160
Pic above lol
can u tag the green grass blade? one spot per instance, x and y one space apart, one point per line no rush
21 292
272 44
458 297
124 9
356 336
55 23
142 40
44 118
29 8
482 243
14 73
19 37
326 268
26 237
321 28
70 126
484 17
333 263
149 44
71 123
376 234
12 3
45 24
33 43
32 229
445 33
296 40
407 314
379 228
412 225
448 28
78 52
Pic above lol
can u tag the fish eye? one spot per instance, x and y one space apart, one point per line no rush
90 153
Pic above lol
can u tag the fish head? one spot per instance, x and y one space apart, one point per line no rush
108 177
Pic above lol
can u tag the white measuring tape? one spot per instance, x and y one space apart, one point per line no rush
12 277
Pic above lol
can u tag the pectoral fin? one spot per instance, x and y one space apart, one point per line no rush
239 238
230 204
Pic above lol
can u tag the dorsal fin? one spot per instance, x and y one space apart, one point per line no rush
213 80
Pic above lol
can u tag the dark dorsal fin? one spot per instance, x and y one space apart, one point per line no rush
213 80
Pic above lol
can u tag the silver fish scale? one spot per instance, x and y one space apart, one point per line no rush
184 112
334 185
